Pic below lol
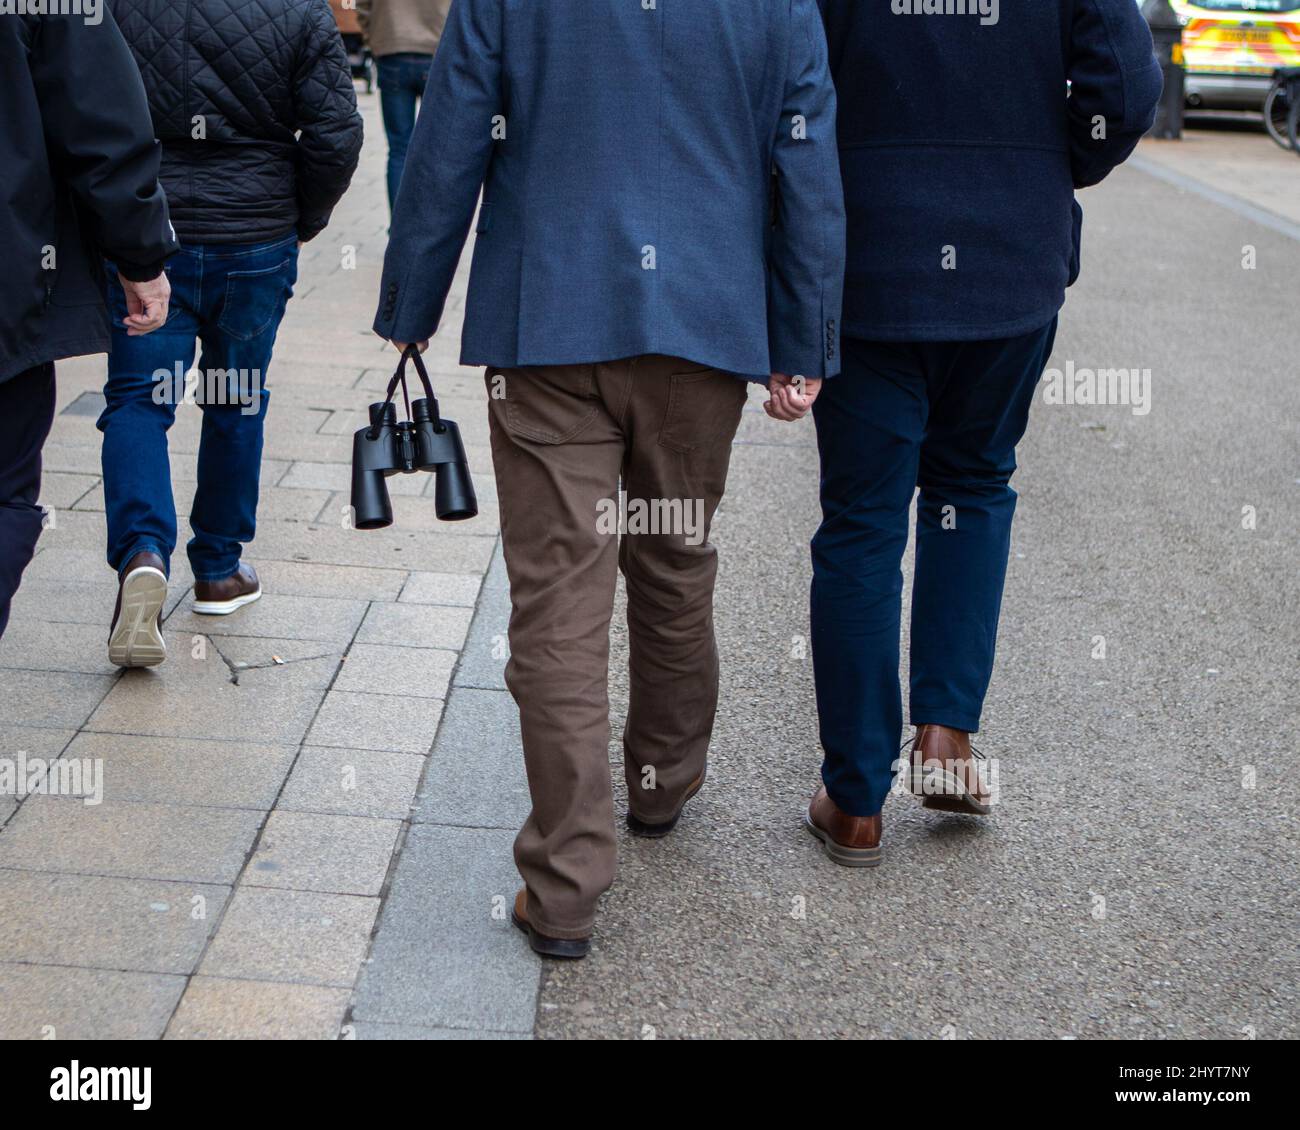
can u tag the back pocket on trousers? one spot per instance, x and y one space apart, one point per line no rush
704 407
256 300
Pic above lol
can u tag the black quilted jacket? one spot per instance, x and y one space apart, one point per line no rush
230 83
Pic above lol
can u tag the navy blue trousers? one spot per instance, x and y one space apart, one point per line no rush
26 414
945 417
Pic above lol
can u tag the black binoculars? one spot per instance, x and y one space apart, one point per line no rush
423 442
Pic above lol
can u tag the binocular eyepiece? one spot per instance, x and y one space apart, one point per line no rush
426 442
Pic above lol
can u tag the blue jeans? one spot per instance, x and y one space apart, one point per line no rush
944 416
230 298
402 79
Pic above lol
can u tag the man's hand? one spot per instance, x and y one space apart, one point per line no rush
146 304
403 346
792 397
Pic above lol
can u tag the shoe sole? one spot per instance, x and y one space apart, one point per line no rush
562 949
225 607
844 856
646 831
942 791
135 640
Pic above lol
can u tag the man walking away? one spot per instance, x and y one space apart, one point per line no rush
258 119
961 145
630 259
403 37
79 175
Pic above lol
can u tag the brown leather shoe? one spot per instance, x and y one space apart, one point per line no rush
947 773
648 831
135 639
567 949
221 598
851 841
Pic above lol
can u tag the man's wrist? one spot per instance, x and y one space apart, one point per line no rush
139 274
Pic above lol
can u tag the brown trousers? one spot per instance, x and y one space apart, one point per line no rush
562 438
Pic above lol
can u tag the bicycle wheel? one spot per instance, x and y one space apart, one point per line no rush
1293 125
1277 106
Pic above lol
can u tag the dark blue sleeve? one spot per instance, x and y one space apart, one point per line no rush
806 257
445 168
1115 86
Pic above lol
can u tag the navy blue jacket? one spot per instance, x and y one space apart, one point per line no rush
962 141
627 156
79 180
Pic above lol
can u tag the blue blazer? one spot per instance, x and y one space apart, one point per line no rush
657 178
962 140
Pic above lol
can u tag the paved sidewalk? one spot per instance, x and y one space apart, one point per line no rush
259 785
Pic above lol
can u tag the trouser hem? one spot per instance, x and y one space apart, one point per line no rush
944 716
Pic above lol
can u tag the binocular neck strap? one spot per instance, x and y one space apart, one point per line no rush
412 353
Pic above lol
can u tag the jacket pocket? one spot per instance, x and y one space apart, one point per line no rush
704 407
255 300
551 404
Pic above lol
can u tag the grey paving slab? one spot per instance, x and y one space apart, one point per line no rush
297 578
219 1008
415 625
445 954
418 672
311 851
375 721
35 645
37 741
487 647
384 549
188 697
298 936
278 616
50 698
334 477
63 490
58 1003
93 921
476 772
353 782
442 588
139 841
188 771
371 1031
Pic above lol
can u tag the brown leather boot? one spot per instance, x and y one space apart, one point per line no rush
135 639
851 841
221 598
946 773
567 949
648 831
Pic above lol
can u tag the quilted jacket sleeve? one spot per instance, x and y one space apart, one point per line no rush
97 126
329 144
